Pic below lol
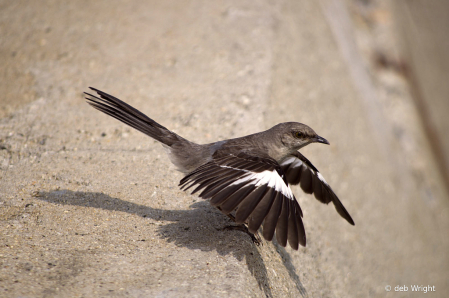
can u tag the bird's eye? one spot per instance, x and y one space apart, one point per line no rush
298 134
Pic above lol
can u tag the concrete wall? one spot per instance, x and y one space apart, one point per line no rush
91 208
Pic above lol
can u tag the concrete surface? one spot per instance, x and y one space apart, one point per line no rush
424 43
91 208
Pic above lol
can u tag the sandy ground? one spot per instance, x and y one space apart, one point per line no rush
91 208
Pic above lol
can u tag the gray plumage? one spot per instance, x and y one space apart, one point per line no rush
249 175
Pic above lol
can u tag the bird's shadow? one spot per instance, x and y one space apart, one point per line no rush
199 227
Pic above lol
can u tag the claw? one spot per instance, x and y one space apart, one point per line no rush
254 237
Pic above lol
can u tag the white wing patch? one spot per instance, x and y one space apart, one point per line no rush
269 178
321 178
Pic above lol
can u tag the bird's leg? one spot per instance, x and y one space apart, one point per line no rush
254 237
232 217
242 227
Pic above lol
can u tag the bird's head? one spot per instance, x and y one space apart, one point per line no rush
295 135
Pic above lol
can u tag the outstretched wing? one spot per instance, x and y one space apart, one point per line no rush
257 188
299 170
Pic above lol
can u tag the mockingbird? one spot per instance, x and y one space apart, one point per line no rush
250 174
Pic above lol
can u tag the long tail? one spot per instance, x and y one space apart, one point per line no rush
125 113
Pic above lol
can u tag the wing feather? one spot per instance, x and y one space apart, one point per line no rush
254 186
299 170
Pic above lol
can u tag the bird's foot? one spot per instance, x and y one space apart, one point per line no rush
254 237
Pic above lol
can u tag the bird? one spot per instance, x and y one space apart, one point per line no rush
247 178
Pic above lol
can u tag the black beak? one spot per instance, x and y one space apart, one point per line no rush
319 139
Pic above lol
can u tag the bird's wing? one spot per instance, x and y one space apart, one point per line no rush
257 188
299 170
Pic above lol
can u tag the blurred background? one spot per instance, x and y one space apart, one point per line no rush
89 207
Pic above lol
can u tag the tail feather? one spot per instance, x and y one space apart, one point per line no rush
125 113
